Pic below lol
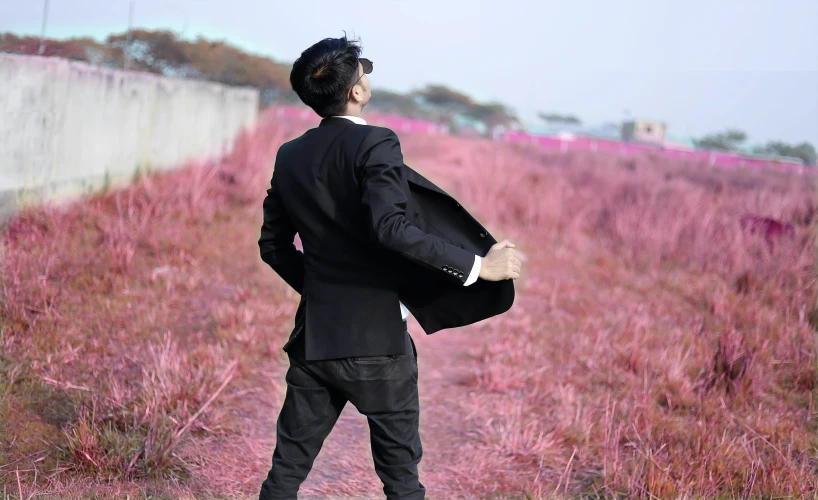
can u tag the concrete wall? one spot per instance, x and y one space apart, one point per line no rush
68 128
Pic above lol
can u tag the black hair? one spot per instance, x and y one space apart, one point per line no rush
324 73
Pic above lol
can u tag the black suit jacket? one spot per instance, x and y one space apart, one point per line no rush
374 232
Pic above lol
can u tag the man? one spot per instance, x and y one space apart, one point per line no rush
379 241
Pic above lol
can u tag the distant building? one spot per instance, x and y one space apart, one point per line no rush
644 131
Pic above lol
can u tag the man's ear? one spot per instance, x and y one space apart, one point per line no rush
353 97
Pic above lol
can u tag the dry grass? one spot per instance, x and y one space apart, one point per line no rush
667 353
655 350
121 339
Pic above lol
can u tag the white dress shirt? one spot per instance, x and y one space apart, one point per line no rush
478 261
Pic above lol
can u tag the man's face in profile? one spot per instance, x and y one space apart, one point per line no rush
360 93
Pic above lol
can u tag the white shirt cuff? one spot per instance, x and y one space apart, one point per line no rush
475 271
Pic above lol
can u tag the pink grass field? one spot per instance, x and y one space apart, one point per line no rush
654 349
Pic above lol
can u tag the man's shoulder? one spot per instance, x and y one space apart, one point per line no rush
362 137
300 143
359 139
359 130
375 134
379 130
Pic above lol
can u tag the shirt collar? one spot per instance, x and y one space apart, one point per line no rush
353 119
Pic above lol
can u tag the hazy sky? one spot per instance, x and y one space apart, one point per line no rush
700 65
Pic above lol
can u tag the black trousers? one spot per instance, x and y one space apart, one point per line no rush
384 388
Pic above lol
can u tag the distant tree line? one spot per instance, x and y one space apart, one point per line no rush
558 119
163 52
733 140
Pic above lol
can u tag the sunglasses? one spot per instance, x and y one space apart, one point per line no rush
366 64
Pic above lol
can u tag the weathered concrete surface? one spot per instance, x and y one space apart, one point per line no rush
68 128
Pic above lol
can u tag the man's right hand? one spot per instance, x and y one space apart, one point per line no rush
501 263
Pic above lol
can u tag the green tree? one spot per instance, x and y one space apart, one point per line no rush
492 115
558 118
445 98
450 106
161 52
74 48
153 51
729 140
395 102
805 151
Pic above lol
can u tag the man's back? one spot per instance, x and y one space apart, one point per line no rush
320 188
350 281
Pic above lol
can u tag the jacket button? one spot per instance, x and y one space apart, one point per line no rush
459 245
483 234
446 268
457 205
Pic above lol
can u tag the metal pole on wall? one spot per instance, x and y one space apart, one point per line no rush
42 33
128 38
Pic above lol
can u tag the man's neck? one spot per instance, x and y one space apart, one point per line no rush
354 119
354 109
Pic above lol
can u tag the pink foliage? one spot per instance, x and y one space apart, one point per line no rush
768 227
657 347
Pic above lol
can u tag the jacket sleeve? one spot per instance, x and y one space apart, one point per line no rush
276 240
384 195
